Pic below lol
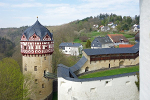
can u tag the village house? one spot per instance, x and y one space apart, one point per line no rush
110 23
135 28
71 48
118 39
105 28
101 42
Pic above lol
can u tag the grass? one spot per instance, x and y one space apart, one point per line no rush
128 35
77 41
55 96
111 72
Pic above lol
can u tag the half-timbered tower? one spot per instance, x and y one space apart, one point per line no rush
37 46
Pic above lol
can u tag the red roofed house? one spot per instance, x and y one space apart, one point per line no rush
118 39
125 45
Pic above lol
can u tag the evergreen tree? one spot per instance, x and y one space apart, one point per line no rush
88 44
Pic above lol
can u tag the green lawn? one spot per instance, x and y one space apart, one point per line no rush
128 35
111 72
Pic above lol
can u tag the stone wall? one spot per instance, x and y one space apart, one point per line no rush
37 65
103 64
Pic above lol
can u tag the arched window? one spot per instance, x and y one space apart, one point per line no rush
86 69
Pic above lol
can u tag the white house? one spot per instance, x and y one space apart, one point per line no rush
110 23
71 48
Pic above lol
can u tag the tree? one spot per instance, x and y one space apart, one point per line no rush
88 44
11 80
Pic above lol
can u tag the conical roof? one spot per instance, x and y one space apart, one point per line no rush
39 30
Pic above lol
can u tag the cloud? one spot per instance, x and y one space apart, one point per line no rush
3 4
27 5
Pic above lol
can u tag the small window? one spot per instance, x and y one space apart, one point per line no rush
46 47
40 92
25 68
23 36
25 47
46 36
36 81
34 36
107 82
44 58
43 86
35 68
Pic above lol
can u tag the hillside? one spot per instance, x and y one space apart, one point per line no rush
7 48
74 31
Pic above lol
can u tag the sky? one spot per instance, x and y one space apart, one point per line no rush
17 13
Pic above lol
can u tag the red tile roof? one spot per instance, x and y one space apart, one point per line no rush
125 45
117 37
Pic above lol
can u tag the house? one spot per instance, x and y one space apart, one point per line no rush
71 48
135 28
105 28
110 23
114 26
95 26
118 39
101 42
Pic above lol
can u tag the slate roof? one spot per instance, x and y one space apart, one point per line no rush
70 44
64 71
117 37
101 51
38 29
79 64
99 41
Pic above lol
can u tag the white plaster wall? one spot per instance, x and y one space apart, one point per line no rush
144 50
122 88
71 51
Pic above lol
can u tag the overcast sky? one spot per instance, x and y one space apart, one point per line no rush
17 13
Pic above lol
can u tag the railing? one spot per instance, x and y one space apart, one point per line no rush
114 57
50 75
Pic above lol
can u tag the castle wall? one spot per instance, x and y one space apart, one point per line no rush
37 66
144 49
95 65
121 88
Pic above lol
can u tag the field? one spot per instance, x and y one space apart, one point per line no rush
111 72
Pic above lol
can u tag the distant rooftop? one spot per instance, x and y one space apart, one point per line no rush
117 37
70 44
133 49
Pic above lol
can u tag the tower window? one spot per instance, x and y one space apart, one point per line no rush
40 92
35 68
36 81
25 47
46 36
45 47
44 58
43 86
25 68
34 36
23 36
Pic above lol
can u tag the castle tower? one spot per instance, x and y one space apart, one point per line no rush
37 46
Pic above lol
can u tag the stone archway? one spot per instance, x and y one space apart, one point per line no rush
121 64
86 69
